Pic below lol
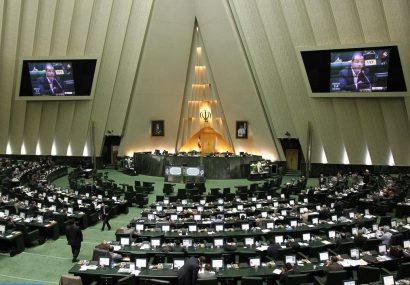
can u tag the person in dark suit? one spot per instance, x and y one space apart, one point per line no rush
105 216
355 77
287 270
188 273
333 264
49 85
74 238
360 239
273 250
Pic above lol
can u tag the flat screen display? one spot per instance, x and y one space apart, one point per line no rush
57 79
357 70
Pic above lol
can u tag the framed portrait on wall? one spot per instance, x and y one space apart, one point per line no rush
241 129
157 128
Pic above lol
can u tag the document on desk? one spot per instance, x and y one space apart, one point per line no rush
116 247
326 242
277 271
137 272
262 248
145 246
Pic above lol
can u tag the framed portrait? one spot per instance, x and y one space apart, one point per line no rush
157 128
241 129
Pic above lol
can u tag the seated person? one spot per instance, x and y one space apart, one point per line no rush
360 240
333 264
273 250
286 271
110 249
386 235
206 272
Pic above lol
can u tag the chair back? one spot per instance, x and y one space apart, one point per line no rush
296 279
252 281
336 277
345 247
68 279
97 253
404 271
367 274
127 280
207 281
106 280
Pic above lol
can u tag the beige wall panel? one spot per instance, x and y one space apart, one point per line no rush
42 47
63 126
31 126
130 55
1 22
96 37
398 22
109 66
398 129
325 33
374 130
347 22
262 63
351 130
161 77
8 50
79 27
25 48
233 78
373 22
59 45
322 22
48 126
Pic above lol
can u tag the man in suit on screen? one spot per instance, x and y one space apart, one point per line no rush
49 85
355 77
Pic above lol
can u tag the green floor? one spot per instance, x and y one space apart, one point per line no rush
46 263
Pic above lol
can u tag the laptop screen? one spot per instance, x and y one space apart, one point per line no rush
217 263
125 241
306 237
155 242
249 241
187 242
323 256
354 253
139 227
104 261
192 228
178 262
290 259
278 239
382 249
255 261
388 280
140 262
245 227
219 228
219 242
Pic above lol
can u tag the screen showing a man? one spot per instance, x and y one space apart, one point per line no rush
52 79
359 71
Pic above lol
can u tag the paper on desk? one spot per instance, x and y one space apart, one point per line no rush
277 271
137 272
326 242
116 247
262 248
145 246
266 230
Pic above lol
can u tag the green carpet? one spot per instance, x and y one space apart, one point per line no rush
46 263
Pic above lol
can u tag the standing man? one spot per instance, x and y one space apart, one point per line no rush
74 238
105 216
188 273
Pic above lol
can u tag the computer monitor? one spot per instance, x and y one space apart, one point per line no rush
306 200
408 220
270 225
249 241
221 208
258 205
200 208
351 215
141 263
192 228
159 208
2 229
22 215
125 241
275 204
7 212
388 280
70 210
253 199
255 261
406 243
220 201
217 263
99 197
202 201
315 221
354 253
354 231
332 234
104 261
367 212
184 201
239 207
349 282
318 207
156 242
219 242
219 227
293 223
264 214
139 227
165 228
166 201
382 249
269 197
324 256
174 217
284 213
178 263
79 202
290 259
292 202
334 218
393 224
282 196
245 227
151 217
187 242
180 208
197 217
279 239
375 227
306 237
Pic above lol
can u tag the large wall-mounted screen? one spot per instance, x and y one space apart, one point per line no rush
357 72
57 79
